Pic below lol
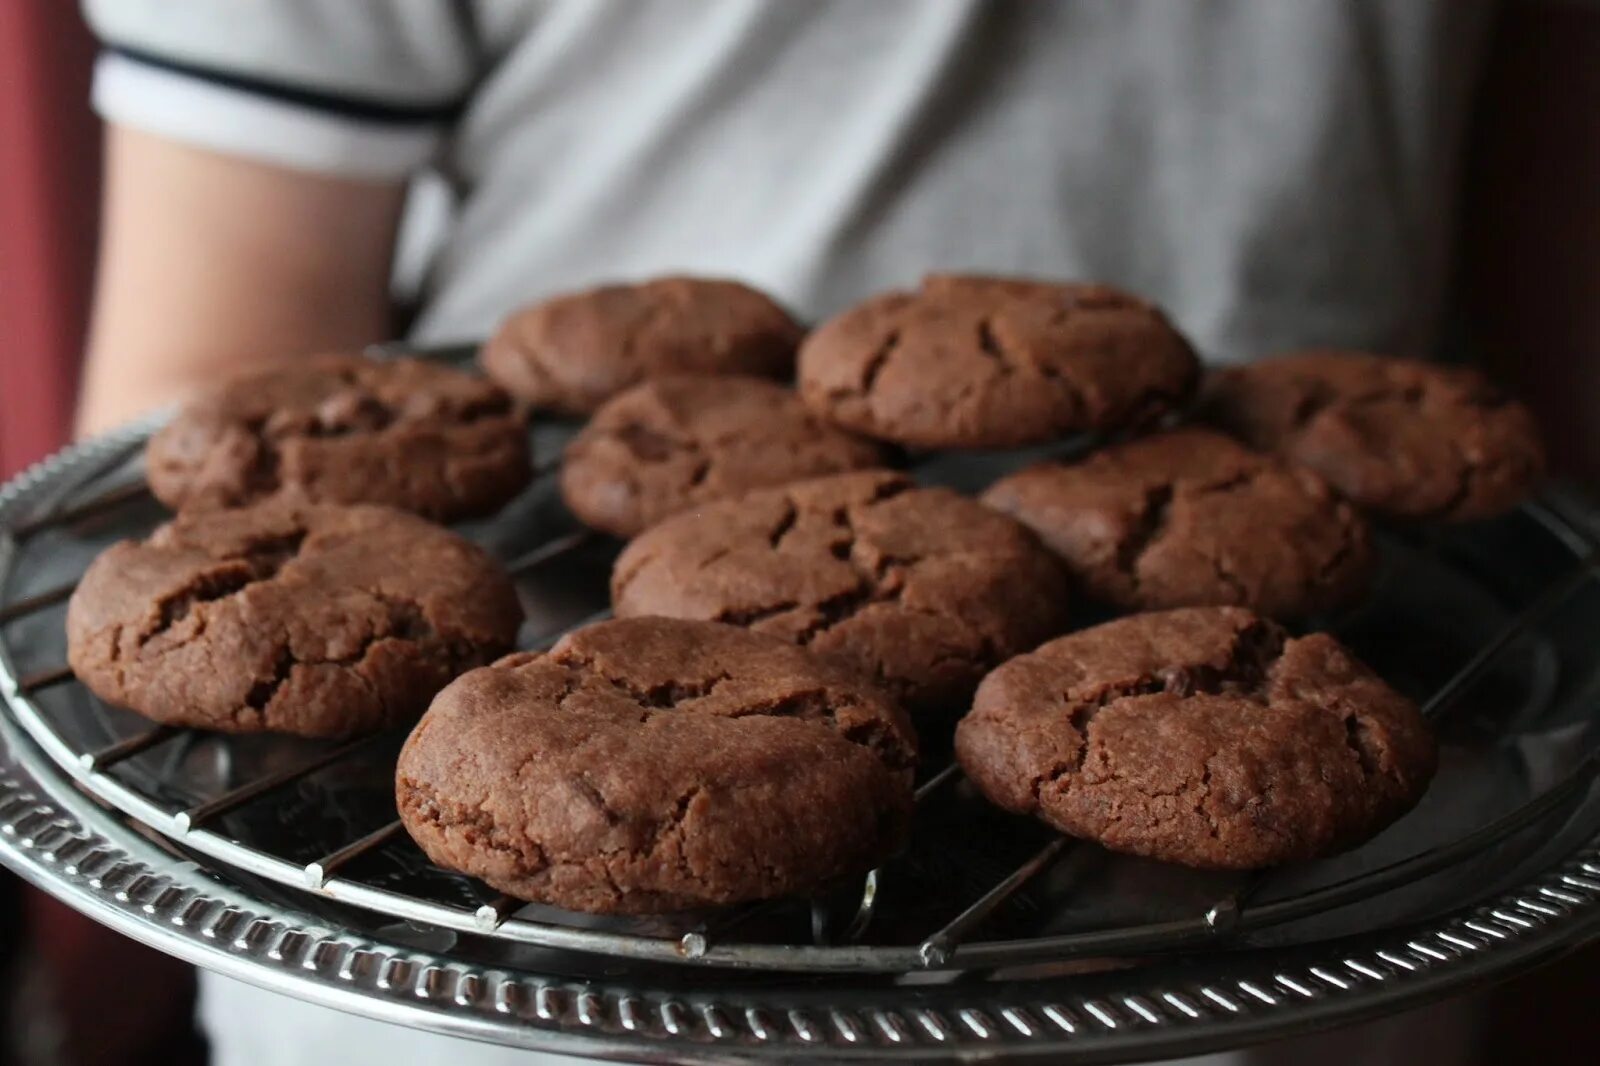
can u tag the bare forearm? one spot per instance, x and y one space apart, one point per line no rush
208 263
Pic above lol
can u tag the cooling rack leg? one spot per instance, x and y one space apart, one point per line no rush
43 679
1543 605
549 550
108 757
38 602
546 641
109 500
937 781
195 816
491 914
317 873
936 950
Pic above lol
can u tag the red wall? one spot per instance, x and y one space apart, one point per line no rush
109 999
49 181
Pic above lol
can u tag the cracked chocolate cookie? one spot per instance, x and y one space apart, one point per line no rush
976 362
1396 436
316 620
654 764
1190 518
922 589
346 429
1203 736
676 442
573 352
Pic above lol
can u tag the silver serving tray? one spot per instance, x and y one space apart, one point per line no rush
278 861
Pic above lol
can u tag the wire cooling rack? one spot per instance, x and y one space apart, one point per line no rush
1491 628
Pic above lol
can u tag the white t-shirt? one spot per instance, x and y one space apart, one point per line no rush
1275 172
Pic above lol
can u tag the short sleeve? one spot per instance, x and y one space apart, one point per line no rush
362 88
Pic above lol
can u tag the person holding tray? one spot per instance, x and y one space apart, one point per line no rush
313 175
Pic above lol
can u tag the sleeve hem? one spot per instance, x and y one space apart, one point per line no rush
236 121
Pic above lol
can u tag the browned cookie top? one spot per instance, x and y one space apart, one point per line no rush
1397 436
346 429
571 353
674 442
922 589
1191 518
994 362
654 764
1201 736
319 620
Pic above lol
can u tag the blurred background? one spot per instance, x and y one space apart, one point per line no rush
63 997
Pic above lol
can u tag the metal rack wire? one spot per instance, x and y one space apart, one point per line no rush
949 945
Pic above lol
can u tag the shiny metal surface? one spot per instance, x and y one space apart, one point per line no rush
987 937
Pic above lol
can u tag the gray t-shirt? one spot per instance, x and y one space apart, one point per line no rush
1276 172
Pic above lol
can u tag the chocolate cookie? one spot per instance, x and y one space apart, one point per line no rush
573 352
346 429
675 442
995 362
653 764
318 620
1190 518
1397 436
1202 736
921 589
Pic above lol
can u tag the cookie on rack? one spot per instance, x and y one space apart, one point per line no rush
984 362
676 442
1398 437
921 589
651 764
1191 518
572 352
338 428
1202 736
318 620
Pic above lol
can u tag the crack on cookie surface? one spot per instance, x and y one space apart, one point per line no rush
657 765
1397 436
264 690
879 359
785 523
299 428
1189 517
647 444
990 345
244 605
819 705
749 617
671 443
1146 531
574 351
255 562
1274 748
997 362
886 569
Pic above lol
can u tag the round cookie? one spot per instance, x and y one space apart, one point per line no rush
1202 736
976 362
1397 436
654 764
572 352
922 589
676 442
317 620
1190 518
407 433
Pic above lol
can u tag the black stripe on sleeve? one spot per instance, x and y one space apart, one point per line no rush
365 109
